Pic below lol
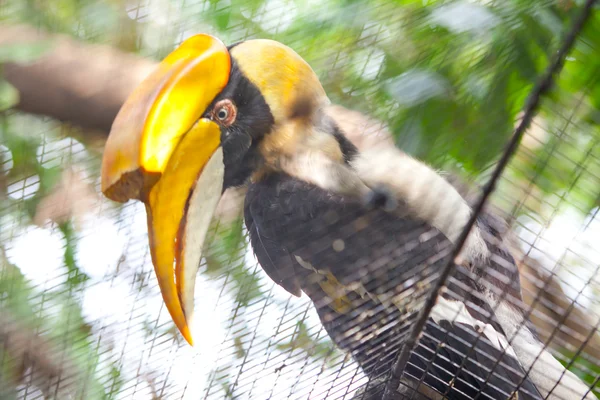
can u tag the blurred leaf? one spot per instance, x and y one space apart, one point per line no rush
584 368
240 352
462 16
9 95
115 384
222 18
303 340
14 289
75 277
24 53
415 87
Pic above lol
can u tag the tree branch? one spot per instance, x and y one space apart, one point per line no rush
73 82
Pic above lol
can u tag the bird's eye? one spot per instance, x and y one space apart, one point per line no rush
222 114
225 112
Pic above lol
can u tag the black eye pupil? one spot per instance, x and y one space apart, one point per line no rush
222 114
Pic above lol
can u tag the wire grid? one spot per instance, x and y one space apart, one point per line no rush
257 351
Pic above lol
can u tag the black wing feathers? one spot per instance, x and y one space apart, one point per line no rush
487 372
387 265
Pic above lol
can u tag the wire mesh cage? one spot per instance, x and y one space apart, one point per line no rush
477 283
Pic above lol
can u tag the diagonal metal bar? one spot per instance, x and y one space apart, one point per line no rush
542 86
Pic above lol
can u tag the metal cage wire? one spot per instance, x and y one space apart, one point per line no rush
88 325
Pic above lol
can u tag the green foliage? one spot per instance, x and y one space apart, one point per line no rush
9 96
304 341
75 278
450 93
581 365
77 358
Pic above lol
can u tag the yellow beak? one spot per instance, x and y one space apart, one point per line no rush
161 151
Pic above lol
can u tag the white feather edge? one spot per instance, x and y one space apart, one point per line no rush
456 311
545 370
203 203
425 192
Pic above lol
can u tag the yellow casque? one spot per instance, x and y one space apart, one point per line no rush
159 112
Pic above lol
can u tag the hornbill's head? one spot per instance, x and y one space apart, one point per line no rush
205 120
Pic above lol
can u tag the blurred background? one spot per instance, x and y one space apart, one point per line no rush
81 316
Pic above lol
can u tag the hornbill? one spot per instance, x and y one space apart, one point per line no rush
362 233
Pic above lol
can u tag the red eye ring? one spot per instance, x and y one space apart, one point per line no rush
225 112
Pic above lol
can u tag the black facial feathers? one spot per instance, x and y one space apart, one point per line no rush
253 113
241 139
303 108
349 150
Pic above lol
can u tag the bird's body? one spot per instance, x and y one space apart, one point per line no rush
368 273
213 117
